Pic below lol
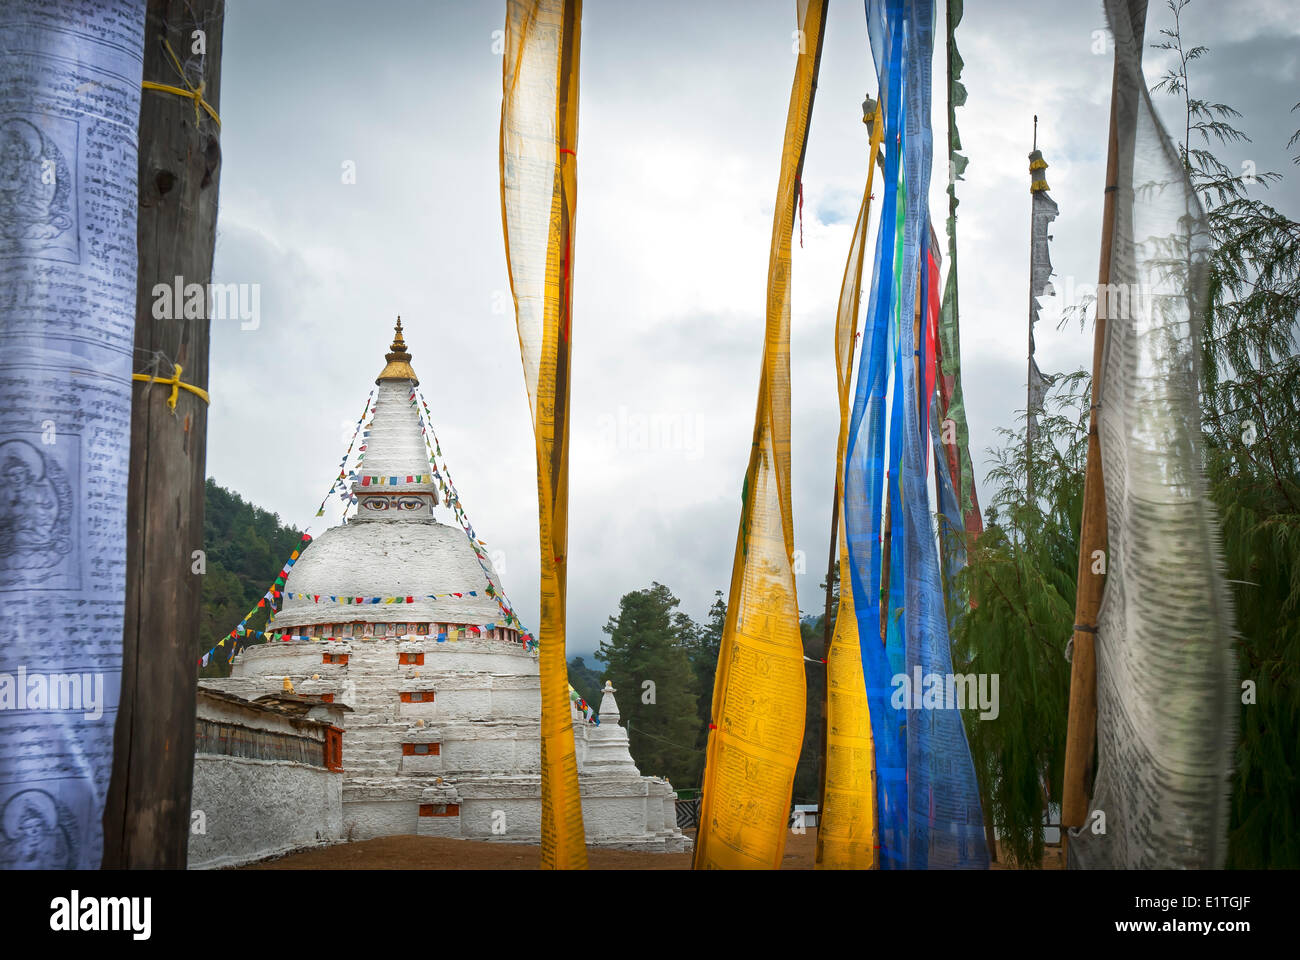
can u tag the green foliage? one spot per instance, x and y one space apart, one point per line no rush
649 640
245 548
703 643
587 680
808 771
812 631
1018 588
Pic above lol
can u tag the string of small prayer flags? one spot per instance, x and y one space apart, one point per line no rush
367 480
452 499
463 632
443 636
317 597
270 598
576 699
344 493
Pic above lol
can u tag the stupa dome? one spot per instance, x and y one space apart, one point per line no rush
395 558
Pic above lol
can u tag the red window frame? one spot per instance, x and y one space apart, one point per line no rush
334 749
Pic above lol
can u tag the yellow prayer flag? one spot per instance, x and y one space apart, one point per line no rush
846 825
539 142
758 695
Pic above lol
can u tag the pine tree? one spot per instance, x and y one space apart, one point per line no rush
807 773
703 650
657 694
587 680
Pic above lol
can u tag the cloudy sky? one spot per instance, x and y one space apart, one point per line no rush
683 106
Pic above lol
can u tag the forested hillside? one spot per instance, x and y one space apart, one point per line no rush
246 546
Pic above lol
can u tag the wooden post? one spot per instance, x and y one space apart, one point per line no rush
147 813
826 639
1081 731
1029 375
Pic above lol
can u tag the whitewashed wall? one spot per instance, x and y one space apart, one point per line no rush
254 809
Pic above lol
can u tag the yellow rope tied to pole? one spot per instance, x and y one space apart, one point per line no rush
192 92
174 381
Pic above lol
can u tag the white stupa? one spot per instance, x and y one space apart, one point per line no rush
443 737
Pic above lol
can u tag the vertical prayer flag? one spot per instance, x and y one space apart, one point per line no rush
759 696
846 828
1166 681
1043 212
539 141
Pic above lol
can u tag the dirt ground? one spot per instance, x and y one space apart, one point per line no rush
438 853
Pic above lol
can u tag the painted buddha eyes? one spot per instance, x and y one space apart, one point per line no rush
392 503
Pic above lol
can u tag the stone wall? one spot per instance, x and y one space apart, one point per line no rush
246 808
254 809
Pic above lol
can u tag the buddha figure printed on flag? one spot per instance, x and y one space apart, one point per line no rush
35 512
36 188
36 833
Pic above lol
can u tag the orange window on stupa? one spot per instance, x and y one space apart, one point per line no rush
421 749
440 809
409 659
418 696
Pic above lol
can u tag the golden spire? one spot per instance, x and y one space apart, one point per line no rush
399 360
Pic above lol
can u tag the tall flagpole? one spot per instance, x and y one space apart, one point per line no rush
147 810
1081 731
1029 376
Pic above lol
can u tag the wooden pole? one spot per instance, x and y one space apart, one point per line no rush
147 813
1029 375
826 637
1081 731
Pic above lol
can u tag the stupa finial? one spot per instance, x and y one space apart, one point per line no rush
399 359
